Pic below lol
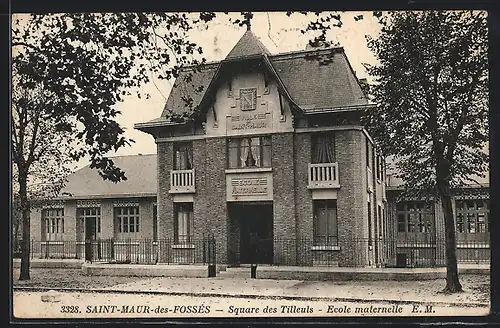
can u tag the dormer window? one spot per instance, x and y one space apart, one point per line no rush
248 99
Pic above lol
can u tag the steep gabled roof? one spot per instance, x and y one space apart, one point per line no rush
314 80
140 171
310 83
248 45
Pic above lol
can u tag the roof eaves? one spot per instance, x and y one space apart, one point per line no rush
107 196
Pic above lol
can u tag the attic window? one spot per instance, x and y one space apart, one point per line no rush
248 99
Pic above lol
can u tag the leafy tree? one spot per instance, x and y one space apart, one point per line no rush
71 69
39 151
431 88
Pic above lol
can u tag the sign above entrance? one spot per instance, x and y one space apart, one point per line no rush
249 186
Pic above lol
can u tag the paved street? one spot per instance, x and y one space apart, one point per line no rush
476 287
96 305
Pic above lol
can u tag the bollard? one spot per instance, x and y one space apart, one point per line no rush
211 270
253 271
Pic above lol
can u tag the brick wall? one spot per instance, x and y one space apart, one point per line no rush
165 200
284 193
210 207
303 198
351 202
165 206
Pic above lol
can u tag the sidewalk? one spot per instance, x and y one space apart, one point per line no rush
383 291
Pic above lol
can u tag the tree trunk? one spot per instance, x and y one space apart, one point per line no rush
25 243
452 282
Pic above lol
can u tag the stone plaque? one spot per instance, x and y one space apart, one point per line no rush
249 186
249 121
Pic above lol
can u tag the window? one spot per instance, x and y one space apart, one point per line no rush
325 222
379 216
415 216
89 217
249 152
53 219
472 215
369 223
248 99
155 222
127 220
323 148
368 153
379 168
183 156
183 222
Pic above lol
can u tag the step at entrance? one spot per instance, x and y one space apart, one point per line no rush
240 272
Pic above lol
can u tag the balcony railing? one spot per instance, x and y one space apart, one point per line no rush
323 175
182 181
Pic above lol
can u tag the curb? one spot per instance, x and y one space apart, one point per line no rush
272 297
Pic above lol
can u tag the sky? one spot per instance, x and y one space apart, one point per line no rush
275 30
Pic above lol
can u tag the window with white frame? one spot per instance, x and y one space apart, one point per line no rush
325 222
53 220
127 221
249 152
183 223
472 215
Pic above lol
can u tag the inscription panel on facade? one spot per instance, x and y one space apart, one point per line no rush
248 122
249 186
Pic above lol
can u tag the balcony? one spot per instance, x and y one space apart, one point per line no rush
323 176
182 181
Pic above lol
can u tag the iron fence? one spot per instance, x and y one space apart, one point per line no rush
140 251
363 252
344 252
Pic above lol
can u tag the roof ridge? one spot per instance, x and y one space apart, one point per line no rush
305 51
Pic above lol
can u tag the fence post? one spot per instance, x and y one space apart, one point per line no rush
112 248
88 250
46 249
212 272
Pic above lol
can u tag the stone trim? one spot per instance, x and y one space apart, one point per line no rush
181 246
250 170
325 248
54 204
88 203
125 203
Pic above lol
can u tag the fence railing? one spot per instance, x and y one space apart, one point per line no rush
345 252
143 251
362 252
